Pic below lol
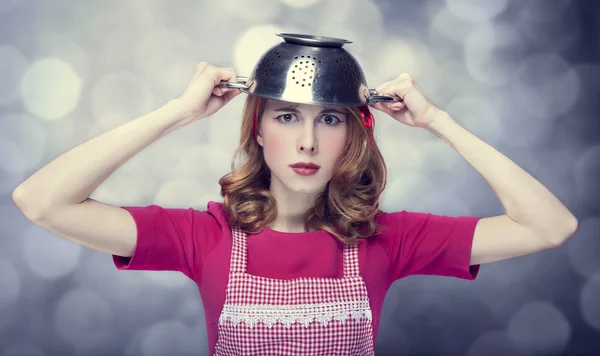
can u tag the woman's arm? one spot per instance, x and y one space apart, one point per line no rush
73 176
57 196
535 219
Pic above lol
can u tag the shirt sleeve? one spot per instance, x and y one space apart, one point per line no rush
428 244
170 240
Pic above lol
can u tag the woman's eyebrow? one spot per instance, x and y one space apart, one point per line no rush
333 111
287 108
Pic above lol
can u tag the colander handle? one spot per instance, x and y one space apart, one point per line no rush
374 98
241 83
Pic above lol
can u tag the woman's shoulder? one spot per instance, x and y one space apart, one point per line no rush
215 210
212 217
386 218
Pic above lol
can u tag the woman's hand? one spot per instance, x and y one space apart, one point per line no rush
413 108
202 97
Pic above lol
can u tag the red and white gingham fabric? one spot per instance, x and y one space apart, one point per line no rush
301 316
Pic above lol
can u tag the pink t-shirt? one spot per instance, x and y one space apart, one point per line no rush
198 244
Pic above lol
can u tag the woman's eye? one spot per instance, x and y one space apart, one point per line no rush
285 117
331 120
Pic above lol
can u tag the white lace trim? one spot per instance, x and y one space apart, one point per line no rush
304 314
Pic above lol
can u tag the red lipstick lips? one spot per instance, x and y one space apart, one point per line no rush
304 165
305 168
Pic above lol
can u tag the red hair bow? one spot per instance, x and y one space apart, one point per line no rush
368 120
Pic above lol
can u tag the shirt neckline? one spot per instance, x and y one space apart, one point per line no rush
285 233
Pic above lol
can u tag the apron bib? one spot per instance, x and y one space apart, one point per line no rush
302 316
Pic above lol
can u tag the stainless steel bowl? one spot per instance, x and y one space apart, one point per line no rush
310 70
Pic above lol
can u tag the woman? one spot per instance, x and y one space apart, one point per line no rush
298 257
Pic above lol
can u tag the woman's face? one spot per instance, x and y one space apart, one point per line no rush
290 133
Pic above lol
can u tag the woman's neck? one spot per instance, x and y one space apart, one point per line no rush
291 208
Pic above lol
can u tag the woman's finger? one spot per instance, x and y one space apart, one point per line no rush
396 106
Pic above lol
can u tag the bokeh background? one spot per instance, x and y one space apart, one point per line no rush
522 75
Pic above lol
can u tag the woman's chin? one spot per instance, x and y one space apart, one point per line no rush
307 189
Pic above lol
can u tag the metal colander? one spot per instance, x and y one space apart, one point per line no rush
310 70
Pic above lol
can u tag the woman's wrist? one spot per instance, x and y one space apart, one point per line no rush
177 114
178 109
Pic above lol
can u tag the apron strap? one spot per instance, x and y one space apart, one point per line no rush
351 268
238 250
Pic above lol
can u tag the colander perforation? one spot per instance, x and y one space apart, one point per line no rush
303 71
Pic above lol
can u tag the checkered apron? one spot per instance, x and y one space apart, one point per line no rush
301 316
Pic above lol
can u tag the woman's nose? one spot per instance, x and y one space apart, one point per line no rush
308 141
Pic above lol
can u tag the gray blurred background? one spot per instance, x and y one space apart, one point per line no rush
521 75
